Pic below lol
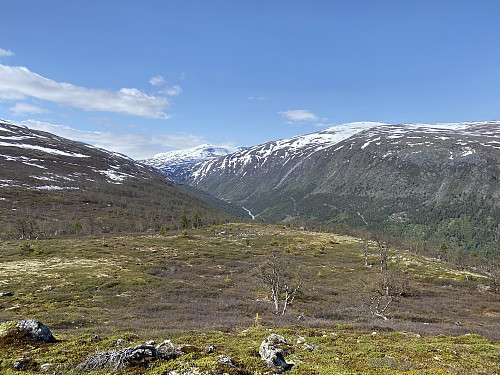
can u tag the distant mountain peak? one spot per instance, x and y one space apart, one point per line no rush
171 161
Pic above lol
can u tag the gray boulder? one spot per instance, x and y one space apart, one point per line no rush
36 330
273 355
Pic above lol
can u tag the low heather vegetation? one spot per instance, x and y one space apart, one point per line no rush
202 287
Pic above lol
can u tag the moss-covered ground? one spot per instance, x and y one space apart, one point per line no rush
198 288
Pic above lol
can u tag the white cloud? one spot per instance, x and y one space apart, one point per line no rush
21 109
157 80
136 146
19 82
299 115
172 91
256 98
4 52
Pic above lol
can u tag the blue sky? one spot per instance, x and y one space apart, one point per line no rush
151 76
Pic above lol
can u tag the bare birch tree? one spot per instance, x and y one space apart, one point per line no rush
281 279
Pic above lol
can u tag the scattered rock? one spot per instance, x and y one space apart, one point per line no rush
225 360
273 355
25 364
46 367
96 338
480 288
210 349
36 330
225 365
151 342
6 294
120 342
310 347
191 371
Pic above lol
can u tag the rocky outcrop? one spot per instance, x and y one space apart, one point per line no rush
119 359
36 330
272 353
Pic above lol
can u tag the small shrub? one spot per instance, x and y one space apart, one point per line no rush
164 229
26 248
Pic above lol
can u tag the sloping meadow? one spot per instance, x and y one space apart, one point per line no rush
200 287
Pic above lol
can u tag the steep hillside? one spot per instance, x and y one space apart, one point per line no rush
51 185
418 180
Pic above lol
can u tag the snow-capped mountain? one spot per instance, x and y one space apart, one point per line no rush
297 148
43 161
284 150
368 173
51 185
172 161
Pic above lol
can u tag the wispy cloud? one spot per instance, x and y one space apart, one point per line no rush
157 80
172 91
256 98
19 82
5 52
168 90
299 115
136 146
21 109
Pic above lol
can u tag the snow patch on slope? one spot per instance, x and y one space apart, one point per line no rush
44 149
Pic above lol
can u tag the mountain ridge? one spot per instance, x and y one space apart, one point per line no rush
433 180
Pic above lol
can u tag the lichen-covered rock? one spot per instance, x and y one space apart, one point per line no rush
36 330
273 355
167 350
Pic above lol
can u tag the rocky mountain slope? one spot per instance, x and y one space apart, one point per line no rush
51 185
418 180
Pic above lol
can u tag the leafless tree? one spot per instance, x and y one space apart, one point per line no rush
366 251
383 250
281 279
26 227
385 289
